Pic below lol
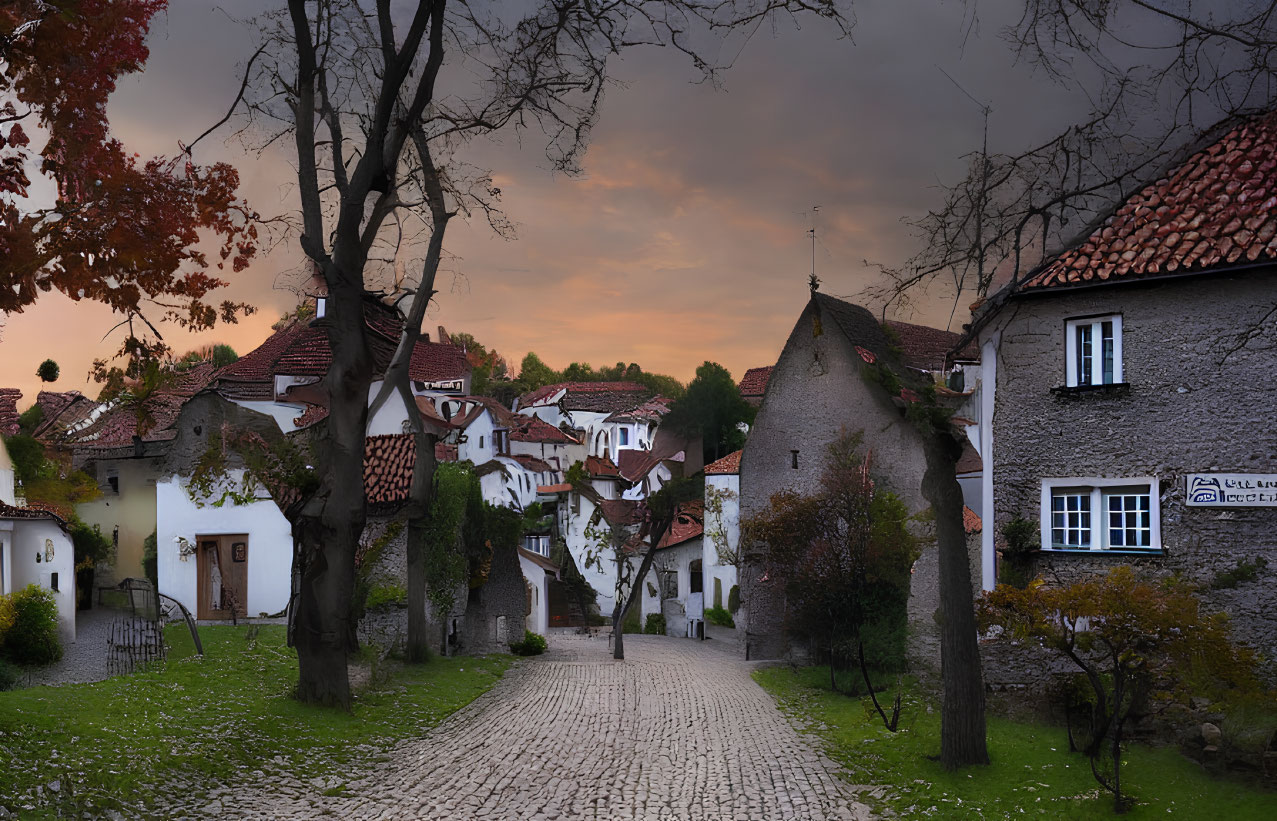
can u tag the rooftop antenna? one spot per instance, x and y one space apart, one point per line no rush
814 281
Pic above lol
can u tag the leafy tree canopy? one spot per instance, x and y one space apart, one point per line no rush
122 231
48 371
714 408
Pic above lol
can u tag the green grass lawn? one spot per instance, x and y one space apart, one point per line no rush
1032 774
202 722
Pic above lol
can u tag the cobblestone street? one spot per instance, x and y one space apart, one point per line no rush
676 731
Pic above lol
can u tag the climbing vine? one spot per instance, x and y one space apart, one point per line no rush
715 498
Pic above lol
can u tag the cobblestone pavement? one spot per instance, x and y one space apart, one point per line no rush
676 731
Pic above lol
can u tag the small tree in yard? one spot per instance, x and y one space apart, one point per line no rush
1138 644
846 555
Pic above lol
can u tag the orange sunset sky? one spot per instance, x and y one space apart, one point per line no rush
685 237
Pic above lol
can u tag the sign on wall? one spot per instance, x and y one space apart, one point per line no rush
1232 490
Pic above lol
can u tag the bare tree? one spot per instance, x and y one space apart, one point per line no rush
378 99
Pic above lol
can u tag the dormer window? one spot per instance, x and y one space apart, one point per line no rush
623 437
1093 353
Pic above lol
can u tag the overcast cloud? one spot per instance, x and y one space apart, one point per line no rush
685 237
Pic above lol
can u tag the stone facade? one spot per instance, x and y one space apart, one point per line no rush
1194 401
817 388
496 611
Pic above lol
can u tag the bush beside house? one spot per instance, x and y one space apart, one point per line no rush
29 627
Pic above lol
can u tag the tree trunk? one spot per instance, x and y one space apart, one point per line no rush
962 726
422 492
333 520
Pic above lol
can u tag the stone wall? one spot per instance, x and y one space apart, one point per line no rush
496 612
815 390
1194 404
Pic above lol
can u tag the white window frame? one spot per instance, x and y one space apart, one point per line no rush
1097 350
1100 489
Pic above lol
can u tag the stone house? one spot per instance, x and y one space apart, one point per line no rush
754 384
818 387
1127 387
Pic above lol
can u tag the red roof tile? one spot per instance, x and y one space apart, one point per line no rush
312 414
970 521
688 524
116 427
652 410
590 396
9 410
729 464
559 488
388 464
621 511
754 382
445 453
533 429
302 349
8 511
1216 209
921 347
601 466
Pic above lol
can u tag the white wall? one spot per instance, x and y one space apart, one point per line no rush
728 488
535 575
24 540
6 476
270 545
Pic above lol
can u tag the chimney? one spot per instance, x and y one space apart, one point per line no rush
444 339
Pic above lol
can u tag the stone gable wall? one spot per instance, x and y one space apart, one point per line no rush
815 390
1191 407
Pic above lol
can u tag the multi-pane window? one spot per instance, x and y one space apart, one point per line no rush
1094 351
1110 515
1071 518
1129 518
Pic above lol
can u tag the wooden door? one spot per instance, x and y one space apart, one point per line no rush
222 576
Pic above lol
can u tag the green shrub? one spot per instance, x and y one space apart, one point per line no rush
719 616
532 644
733 599
91 547
9 676
1016 567
387 595
33 638
655 624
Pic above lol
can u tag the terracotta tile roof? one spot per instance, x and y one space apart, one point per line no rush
923 348
601 466
621 511
116 427
729 464
532 429
9 410
652 410
969 461
970 520
63 411
8 511
302 349
1217 208
312 414
445 453
590 396
388 464
635 464
754 382
688 524
563 487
